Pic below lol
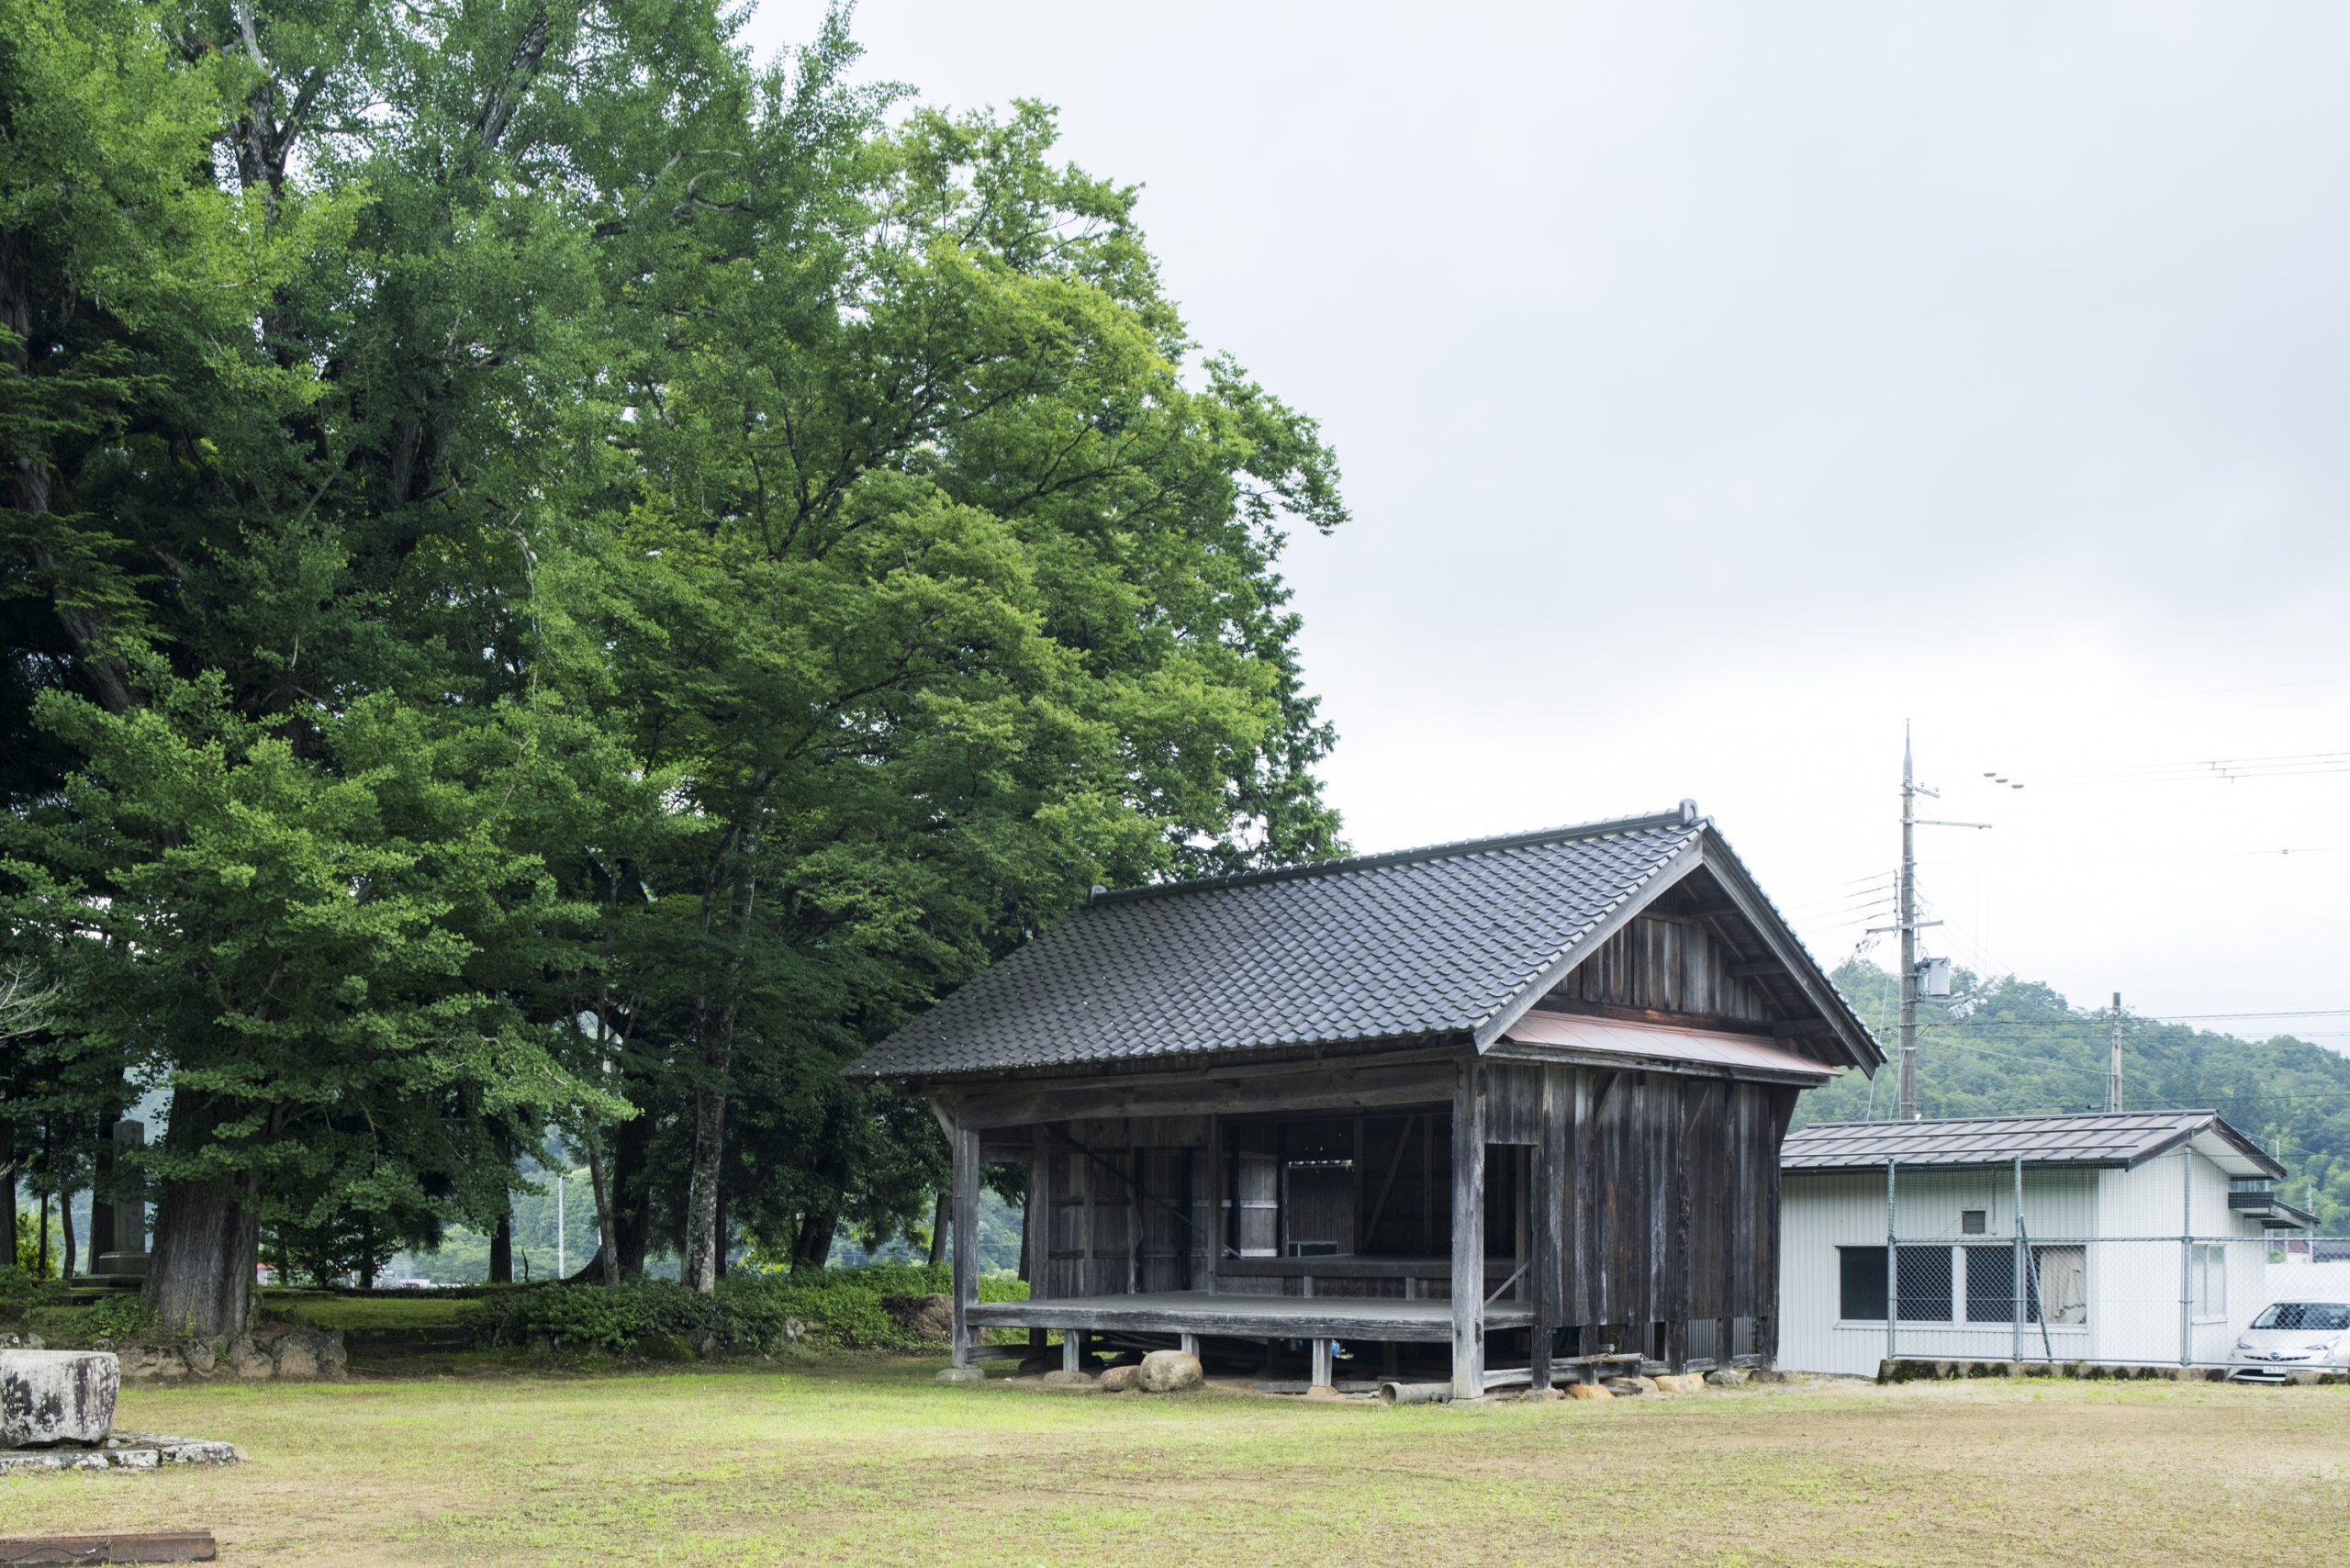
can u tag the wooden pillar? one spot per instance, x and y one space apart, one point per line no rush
1219 1214
1550 1218
1321 1363
1468 1235
967 1238
1073 1350
1187 1343
1036 1216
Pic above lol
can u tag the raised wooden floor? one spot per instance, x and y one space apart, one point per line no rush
1248 1316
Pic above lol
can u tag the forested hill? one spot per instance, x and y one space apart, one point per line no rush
2005 1046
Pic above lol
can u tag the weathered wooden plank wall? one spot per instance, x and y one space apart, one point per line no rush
1665 964
1654 1204
1664 1196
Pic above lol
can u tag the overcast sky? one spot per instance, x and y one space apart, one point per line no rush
1718 386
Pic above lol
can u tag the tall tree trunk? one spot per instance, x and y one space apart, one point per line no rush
714 1034
65 1215
502 1251
8 1189
606 1262
718 1253
40 1257
813 1248
938 1232
632 1192
103 1180
207 1236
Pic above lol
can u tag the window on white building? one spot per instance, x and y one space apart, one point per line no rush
2207 1272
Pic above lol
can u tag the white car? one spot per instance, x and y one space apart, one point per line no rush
2293 1335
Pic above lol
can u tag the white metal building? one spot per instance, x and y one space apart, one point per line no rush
2143 1239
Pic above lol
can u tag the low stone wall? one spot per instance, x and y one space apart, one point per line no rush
290 1354
1908 1369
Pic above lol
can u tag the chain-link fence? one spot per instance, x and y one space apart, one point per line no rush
2166 1263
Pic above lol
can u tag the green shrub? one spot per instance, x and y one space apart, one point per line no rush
117 1317
746 1313
21 1290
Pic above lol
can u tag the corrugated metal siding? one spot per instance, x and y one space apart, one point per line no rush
2134 1284
2129 1221
1820 1212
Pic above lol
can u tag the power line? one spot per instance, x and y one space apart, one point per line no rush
2289 1012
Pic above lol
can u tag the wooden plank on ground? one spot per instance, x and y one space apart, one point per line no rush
167 1546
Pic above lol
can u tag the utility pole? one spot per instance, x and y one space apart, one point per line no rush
1908 918
1908 925
2113 1069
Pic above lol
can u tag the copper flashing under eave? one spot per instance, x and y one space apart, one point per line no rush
1612 1037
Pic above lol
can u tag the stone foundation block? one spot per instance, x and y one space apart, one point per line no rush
57 1396
1171 1371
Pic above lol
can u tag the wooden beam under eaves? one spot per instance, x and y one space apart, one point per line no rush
1786 1027
1758 966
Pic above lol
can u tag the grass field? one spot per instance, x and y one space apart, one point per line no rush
856 1463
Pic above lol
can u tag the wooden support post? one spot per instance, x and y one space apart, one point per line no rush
1073 1350
1550 1219
1219 1207
1036 1216
1187 1343
1321 1363
967 1239
1468 1235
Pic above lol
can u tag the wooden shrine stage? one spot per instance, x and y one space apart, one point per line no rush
1248 1316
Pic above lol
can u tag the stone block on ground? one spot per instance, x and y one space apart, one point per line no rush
1625 1387
930 1318
1727 1377
1171 1371
305 1353
1063 1381
1589 1390
960 1374
1122 1379
249 1360
57 1396
1680 1382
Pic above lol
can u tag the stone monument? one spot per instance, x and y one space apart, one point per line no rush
57 1413
121 1252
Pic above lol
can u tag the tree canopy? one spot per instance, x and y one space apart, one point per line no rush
557 575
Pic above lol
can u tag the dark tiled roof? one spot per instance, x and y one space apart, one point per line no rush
2091 1137
1430 943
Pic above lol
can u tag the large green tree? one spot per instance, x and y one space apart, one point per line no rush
943 592
302 309
557 576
